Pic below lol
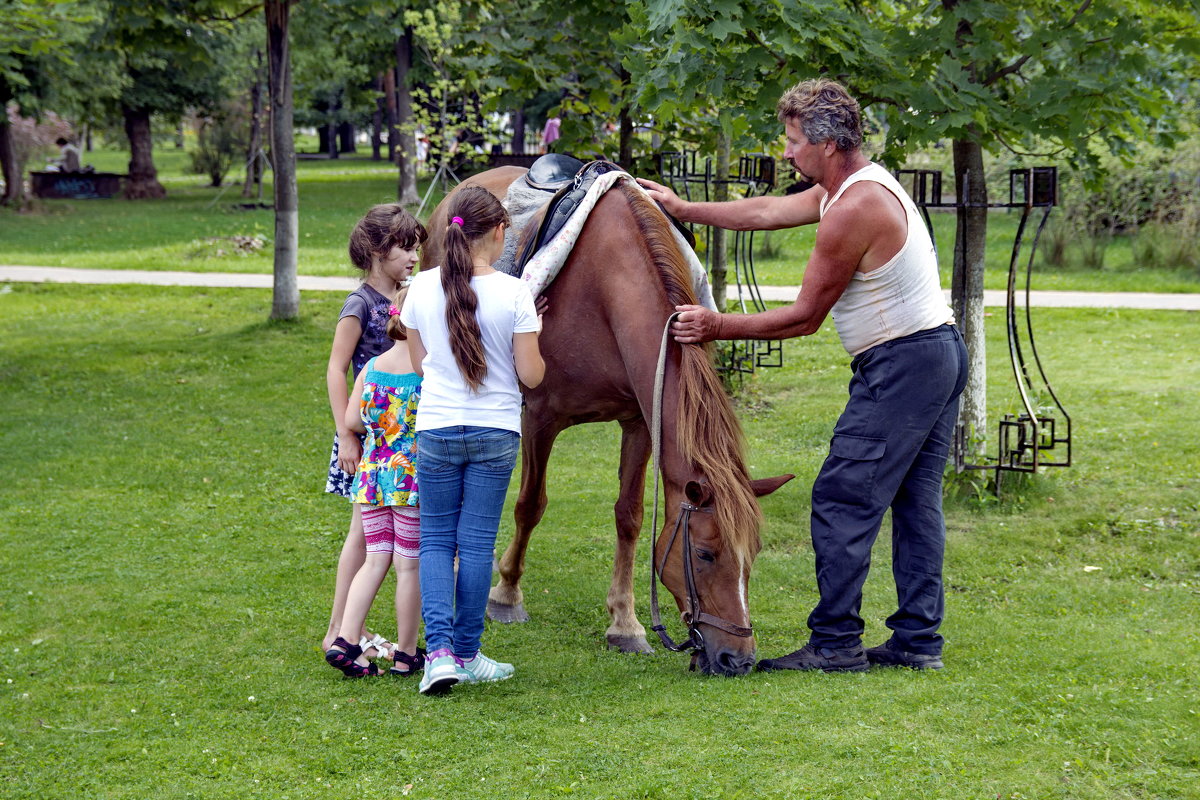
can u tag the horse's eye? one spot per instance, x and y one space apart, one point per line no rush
704 555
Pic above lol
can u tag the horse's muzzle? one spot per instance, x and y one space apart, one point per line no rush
727 663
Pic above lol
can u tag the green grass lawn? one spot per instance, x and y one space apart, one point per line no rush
168 562
177 233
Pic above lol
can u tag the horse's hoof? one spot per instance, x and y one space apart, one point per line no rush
629 644
501 612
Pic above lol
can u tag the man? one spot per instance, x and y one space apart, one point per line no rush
873 266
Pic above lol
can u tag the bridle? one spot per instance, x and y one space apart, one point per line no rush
692 614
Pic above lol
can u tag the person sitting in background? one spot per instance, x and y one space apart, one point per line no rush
68 156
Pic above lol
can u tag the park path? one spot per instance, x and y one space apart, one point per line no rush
248 280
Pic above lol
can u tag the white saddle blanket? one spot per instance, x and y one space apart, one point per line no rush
545 264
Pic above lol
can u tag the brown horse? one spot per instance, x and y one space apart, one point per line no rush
600 340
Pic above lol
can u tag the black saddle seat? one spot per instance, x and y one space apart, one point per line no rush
553 171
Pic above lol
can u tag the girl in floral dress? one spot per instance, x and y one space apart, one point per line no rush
383 405
384 247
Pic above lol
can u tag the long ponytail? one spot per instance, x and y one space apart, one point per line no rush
474 212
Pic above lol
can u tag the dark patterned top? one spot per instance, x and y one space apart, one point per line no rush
371 308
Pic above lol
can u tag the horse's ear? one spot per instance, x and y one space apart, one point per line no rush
698 493
764 486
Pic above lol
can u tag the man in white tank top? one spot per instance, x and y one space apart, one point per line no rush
873 267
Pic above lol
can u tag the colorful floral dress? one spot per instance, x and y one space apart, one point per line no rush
371 308
387 474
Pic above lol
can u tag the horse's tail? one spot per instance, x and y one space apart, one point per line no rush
707 428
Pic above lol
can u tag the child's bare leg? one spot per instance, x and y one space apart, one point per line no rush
362 591
408 603
353 554
406 524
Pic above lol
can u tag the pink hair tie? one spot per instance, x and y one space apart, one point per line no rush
393 311
456 221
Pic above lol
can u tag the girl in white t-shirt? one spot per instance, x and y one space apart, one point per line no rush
472 334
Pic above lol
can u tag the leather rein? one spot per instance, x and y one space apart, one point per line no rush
692 614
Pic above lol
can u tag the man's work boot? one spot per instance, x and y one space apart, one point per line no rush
851 659
886 656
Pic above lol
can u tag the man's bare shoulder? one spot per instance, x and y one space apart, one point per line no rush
867 195
866 201
871 219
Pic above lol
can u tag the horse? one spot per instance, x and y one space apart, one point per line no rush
600 340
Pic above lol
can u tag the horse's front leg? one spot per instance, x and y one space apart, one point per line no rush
626 633
506 601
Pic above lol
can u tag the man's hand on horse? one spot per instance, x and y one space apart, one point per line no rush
669 200
696 324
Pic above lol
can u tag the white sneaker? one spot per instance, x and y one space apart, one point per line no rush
441 672
482 669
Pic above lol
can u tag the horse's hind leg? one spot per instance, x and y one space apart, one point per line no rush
626 633
506 601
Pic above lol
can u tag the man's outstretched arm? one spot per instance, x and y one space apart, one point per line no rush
767 213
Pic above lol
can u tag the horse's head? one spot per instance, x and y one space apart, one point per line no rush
707 569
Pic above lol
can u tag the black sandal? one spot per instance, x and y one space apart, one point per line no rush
344 660
415 663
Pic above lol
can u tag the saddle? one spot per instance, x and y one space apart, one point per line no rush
552 171
561 206
564 202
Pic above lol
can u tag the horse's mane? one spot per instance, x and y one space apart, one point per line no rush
707 429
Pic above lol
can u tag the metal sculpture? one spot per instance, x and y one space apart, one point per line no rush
1030 438
755 176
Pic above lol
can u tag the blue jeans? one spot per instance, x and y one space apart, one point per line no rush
462 473
889 449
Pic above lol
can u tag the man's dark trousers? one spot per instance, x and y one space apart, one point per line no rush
889 449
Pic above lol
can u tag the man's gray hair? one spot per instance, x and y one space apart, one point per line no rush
824 110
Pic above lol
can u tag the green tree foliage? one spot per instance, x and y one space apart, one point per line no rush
574 55
169 57
37 39
1038 77
725 63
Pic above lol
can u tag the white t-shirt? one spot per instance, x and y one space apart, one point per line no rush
505 308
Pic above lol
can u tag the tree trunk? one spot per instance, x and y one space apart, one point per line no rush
143 177
346 135
253 163
377 121
625 146
14 180
967 289
389 105
406 190
518 136
286 300
328 139
625 129
718 263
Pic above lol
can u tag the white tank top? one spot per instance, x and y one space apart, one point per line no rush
899 298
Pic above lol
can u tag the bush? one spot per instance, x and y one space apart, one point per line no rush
220 143
1172 240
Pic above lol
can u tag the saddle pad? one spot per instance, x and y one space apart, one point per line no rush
521 201
562 206
542 268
